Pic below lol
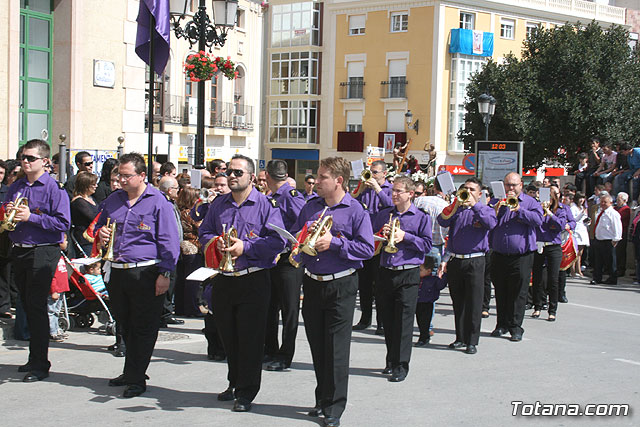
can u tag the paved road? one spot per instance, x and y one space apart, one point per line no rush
590 355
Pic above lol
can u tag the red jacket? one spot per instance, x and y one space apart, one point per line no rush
60 282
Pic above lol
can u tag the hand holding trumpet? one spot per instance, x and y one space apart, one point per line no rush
398 235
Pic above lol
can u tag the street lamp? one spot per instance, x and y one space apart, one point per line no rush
408 116
201 30
486 107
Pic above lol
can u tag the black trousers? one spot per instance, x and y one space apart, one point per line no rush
424 315
8 288
486 298
551 256
511 275
240 305
367 280
327 310
396 298
167 305
562 284
34 269
210 331
137 310
286 282
621 255
466 284
605 260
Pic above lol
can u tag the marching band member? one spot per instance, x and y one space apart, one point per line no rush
376 196
286 280
399 277
241 297
469 226
145 251
549 238
567 199
40 225
330 284
513 242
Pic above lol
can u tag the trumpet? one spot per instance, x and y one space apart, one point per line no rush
322 225
364 177
227 263
205 194
511 201
545 207
108 252
394 225
9 221
463 195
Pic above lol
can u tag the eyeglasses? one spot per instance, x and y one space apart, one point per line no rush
394 191
126 177
311 182
236 172
87 164
30 159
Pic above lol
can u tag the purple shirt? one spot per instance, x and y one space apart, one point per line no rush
308 196
145 231
352 240
570 219
552 226
430 287
290 203
469 229
417 236
199 211
261 243
516 231
50 212
374 202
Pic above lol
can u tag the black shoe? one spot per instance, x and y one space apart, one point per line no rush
6 315
34 376
379 331
241 405
331 422
528 306
398 375
316 412
24 368
112 347
216 357
134 390
360 326
471 349
119 381
516 337
120 352
456 344
595 282
485 314
387 370
611 281
498 332
277 365
172 321
563 299
267 358
226 395
545 306
421 343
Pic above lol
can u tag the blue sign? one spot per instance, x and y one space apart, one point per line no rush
469 162
262 164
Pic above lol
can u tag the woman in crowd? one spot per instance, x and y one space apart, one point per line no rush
581 234
190 256
83 209
104 184
11 172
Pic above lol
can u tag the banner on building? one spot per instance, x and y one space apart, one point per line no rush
469 42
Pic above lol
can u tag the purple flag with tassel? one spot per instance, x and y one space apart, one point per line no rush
162 32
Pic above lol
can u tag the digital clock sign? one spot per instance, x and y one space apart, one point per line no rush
495 159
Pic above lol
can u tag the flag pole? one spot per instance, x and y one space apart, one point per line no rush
152 30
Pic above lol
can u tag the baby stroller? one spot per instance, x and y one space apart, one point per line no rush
82 302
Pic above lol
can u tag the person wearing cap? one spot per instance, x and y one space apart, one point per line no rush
468 244
330 282
513 242
286 280
399 277
240 297
40 227
145 252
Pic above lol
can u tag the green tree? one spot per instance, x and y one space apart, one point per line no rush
571 83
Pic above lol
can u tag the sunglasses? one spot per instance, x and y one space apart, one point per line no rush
30 159
235 172
87 164
311 182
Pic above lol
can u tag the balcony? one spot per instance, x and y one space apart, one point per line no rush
184 111
396 88
351 141
352 90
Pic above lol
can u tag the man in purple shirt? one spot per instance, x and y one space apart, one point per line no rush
376 196
241 298
286 280
399 278
40 227
468 243
145 252
330 284
513 242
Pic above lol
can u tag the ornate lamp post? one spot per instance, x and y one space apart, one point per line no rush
486 107
408 116
206 34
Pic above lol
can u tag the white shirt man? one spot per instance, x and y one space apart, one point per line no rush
608 232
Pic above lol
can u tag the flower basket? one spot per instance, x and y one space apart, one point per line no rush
202 66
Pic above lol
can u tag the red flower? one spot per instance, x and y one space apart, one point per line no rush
228 57
191 75
202 52
235 74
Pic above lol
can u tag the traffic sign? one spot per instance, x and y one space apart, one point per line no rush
469 162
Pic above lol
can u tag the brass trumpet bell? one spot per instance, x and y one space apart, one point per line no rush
322 226
394 225
9 222
463 195
227 264
108 253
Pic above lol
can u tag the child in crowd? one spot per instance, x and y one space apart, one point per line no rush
428 294
594 200
59 285
94 277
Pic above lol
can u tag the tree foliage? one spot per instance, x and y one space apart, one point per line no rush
571 83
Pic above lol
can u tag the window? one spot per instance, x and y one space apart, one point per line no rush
294 73
296 24
399 22
240 19
395 121
293 121
531 26
397 78
467 20
633 40
507 28
462 68
356 24
354 121
355 71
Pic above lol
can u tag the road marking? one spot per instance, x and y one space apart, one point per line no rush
628 361
605 309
